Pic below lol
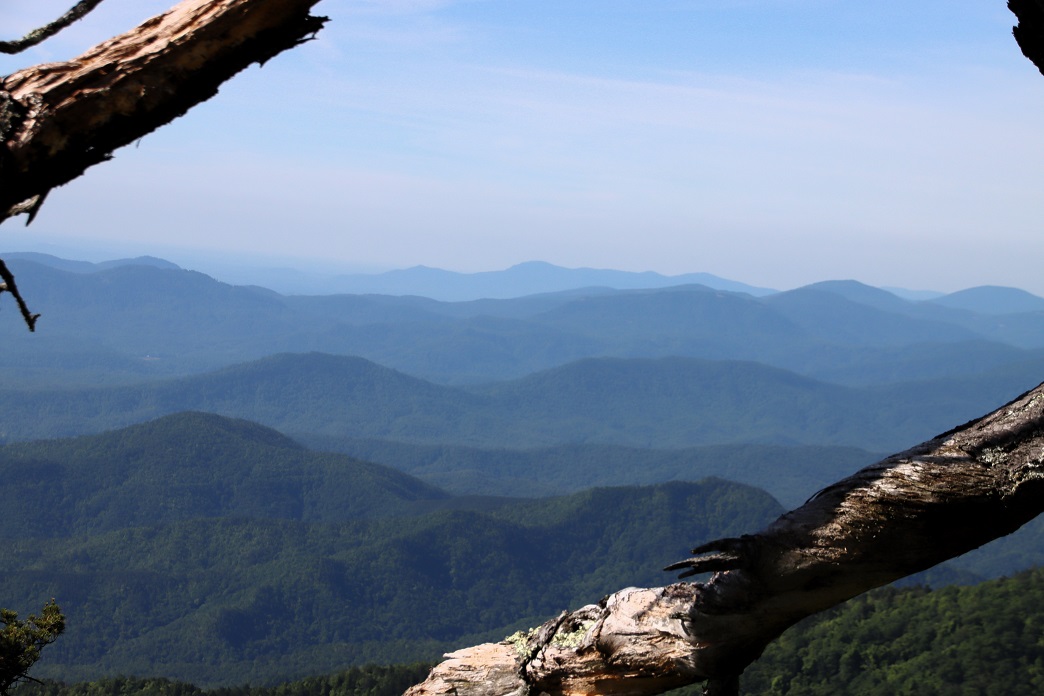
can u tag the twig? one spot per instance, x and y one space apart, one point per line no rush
45 32
9 286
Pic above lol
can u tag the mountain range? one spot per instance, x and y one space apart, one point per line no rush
217 551
530 278
226 483
647 403
142 320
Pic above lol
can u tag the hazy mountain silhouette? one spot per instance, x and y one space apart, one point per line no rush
522 279
990 299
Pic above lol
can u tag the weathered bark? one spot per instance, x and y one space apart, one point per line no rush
897 517
58 119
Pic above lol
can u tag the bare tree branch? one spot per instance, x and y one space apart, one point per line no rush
1030 31
58 119
897 517
34 37
9 285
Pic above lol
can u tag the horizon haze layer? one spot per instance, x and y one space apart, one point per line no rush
524 279
761 141
309 276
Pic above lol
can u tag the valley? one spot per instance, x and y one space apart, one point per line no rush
223 484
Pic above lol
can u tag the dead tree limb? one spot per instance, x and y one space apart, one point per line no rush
900 516
9 285
58 119
1030 31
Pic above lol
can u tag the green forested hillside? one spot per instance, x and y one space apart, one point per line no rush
662 403
192 465
984 639
958 640
187 466
226 601
790 473
218 551
368 680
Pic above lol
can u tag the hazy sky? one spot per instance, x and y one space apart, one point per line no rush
776 142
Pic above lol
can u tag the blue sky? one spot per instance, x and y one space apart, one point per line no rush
776 142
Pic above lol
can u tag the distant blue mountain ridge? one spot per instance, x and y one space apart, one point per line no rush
73 266
529 278
538 277
991 299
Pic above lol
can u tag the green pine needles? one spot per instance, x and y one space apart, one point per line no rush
22 641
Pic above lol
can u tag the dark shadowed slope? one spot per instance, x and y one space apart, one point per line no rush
229 601
187 466
789 473
663 403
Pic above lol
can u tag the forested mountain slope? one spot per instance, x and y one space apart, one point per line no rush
662 403
191 465
219 551
241 557
984 639
956 640
187 466
791 473
214 549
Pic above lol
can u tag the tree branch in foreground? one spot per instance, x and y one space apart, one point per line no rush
8 285
1029 33
58 119
900 516
34 37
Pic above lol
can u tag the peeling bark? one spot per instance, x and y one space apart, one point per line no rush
58 119
899 516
